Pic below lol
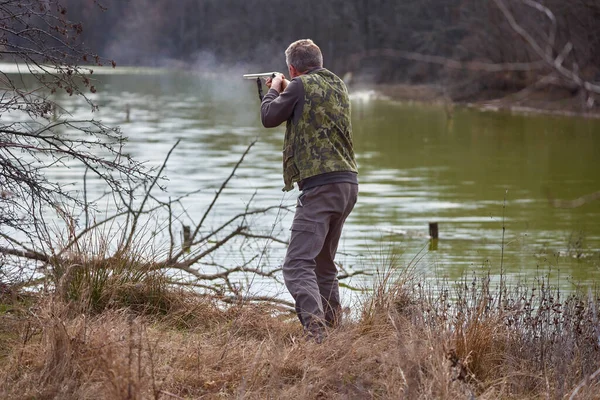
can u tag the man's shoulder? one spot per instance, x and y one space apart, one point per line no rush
319 72
296 85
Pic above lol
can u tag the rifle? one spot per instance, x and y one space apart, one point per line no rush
258 80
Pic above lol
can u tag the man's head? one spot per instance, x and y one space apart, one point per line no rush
302 56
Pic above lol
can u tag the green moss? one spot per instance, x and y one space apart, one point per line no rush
13 316
5 308
9 335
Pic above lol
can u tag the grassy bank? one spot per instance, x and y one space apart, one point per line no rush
468 341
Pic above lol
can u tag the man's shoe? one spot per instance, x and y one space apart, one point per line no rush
315 332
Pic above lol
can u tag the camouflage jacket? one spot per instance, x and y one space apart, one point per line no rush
318 137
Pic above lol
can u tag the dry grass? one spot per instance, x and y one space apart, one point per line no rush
408 343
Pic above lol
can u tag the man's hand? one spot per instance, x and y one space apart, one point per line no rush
278 83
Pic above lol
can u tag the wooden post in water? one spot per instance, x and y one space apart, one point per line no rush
433 235
54 112
433 230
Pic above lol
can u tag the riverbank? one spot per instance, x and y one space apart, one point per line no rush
406 343
551 102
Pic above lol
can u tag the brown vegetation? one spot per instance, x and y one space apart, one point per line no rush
111 321
407 342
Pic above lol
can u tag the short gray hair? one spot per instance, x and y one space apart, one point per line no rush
304 55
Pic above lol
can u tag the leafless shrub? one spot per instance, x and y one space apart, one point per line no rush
46 50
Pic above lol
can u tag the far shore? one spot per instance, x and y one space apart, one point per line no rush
559 103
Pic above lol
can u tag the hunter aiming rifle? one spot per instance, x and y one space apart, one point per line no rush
259 81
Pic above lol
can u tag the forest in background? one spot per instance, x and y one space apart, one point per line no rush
471 44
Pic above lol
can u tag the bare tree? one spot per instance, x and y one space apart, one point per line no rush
42 53
547 50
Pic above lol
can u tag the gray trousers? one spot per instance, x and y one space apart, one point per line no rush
309 270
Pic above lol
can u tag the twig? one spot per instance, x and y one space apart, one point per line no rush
268 237
244 299
233 219
347 275
211 277
502 251
171 395
218 193
145 199
213 248
583 383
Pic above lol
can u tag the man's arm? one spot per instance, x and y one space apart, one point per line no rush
276 107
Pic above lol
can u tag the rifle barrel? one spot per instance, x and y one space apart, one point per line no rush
260 75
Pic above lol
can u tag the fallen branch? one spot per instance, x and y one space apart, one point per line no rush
588 198
28 254
263 299
447 62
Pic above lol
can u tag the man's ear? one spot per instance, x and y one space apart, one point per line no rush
293 71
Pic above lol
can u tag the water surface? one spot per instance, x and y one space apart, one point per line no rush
484 177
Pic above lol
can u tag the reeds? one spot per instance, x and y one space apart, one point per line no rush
407 341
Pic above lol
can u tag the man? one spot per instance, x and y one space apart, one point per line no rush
318 155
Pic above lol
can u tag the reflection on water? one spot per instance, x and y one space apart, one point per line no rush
481 176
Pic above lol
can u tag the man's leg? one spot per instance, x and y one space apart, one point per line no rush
315 211
309 230
326 270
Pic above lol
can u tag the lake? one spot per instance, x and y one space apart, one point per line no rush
484 177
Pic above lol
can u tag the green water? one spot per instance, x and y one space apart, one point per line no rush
484 177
